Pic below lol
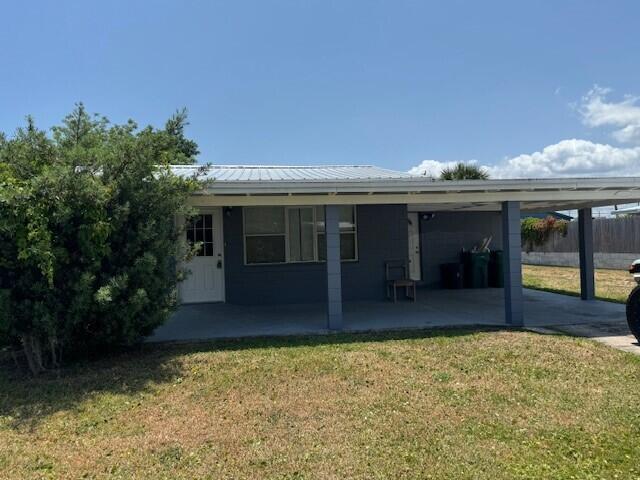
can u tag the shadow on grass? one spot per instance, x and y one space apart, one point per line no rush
25 402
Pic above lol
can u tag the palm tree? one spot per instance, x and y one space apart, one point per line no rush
464 171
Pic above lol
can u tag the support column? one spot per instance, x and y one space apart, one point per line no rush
585 241
334 272
512 247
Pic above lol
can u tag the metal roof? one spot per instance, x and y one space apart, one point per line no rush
238 185
293 174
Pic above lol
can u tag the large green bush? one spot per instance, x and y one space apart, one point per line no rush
88 239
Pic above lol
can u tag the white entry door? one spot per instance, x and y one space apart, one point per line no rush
415 270
205 282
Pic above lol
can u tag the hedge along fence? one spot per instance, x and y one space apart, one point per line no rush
610 235
536 231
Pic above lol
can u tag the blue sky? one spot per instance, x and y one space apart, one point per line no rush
304 82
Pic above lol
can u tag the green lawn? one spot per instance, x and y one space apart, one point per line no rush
440 404
611 285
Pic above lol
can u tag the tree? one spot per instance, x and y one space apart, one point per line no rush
464 171
88 239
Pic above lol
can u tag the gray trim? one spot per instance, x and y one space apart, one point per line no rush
585 249
512 246
334 271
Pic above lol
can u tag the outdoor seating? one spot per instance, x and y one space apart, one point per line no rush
396 275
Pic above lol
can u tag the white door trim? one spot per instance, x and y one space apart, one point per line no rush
415 246
218 256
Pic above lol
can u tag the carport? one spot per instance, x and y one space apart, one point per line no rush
370 190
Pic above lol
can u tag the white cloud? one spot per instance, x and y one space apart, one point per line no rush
571 158
574 157
596 111
433 168
567 158
628 134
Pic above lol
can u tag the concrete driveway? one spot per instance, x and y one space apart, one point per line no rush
615 334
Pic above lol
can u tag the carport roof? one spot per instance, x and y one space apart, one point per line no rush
236 185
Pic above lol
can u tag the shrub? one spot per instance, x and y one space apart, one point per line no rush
88 238
536 231
4 317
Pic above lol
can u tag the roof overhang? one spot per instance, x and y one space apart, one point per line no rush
424 194
627 211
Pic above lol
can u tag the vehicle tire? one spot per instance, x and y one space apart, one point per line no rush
633 312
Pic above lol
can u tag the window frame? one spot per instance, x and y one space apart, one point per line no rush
245 235
356 258
287 209
287 259
190 227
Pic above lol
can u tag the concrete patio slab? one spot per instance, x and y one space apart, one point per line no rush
434 308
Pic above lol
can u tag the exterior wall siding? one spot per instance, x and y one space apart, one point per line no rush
382 235
447 233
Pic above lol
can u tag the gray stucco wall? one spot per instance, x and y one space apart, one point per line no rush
382 235
444 236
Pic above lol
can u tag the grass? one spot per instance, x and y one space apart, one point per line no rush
443 404
611 285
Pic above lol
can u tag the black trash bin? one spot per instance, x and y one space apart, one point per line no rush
476 269
496 269
452 275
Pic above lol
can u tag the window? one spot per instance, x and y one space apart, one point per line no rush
348 233
265 235
295 234
301 234
200 232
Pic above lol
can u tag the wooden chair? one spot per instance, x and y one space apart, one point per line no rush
397 275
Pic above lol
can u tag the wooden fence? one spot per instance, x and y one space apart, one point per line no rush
610 235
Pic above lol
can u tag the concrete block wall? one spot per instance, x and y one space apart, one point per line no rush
382 235
444 236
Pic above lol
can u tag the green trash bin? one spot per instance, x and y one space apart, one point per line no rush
496 269
476 269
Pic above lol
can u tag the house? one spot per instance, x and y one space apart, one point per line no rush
282 235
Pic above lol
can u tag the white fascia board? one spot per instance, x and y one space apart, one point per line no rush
419 185
556 197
